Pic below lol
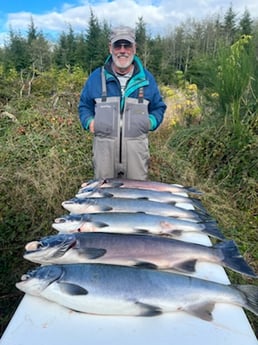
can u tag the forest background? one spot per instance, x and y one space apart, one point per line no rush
208 73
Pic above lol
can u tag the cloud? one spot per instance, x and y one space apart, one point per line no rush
159 15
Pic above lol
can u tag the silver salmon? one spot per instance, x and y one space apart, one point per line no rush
139 223
138 193
151 185
134 250
93 205
119 290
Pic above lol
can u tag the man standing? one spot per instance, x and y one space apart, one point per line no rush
120 103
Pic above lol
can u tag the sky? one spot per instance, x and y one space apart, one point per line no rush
52 17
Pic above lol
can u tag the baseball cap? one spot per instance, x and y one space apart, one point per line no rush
122 33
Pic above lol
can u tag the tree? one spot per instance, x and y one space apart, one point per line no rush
40 53
64 54
81 51
96 48
245 24
229 26
17 53
142 41
32 32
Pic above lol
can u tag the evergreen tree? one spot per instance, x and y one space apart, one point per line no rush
65 50
155 61
39 49
17 54
229 26
142 41
32 32
94 41
245 24
81 51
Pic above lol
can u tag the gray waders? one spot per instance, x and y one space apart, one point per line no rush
120 145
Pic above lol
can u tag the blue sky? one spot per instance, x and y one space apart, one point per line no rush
54 16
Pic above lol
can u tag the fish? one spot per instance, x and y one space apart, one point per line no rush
139 223
134 250
93 205
138 193
130 183
106 289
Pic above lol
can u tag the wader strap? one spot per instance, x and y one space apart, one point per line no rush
104 86
140 95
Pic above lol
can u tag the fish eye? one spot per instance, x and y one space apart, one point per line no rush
40 245
60 220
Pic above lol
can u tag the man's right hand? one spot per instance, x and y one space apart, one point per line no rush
91 126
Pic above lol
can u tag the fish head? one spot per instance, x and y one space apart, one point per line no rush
89 192
81 205
69 223
37 280
92 183
49 248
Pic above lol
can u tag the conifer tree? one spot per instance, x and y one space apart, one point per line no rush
245 24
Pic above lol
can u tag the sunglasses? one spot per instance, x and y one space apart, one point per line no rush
125 45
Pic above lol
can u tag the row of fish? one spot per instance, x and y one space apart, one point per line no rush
121 251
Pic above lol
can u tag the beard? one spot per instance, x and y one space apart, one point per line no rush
122 61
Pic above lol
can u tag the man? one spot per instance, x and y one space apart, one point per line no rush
120 103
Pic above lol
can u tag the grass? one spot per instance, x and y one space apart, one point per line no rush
44 159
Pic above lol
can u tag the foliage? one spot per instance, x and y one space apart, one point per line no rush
233 77
45 158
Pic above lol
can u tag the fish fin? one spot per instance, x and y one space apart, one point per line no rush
72 289
250 293
106 208
176 233
202 311
92 253
211 228
186 266
145 264
113 183
233 259
107 194
142 231
148 309
100 224
173 203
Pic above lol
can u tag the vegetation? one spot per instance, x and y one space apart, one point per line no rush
208 74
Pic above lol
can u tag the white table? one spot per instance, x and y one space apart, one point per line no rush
37 321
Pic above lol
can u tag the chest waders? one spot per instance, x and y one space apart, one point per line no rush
120 145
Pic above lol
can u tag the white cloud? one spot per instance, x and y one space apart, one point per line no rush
159 15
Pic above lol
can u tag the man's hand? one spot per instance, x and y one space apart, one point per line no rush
91 126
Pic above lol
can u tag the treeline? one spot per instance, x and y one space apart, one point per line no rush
183 49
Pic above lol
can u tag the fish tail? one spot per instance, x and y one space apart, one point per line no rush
198 204
193 190
203 216
211 228
250 294
233 259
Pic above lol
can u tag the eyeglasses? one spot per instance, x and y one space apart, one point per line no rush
125 45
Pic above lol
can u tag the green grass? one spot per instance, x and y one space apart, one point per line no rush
45 157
